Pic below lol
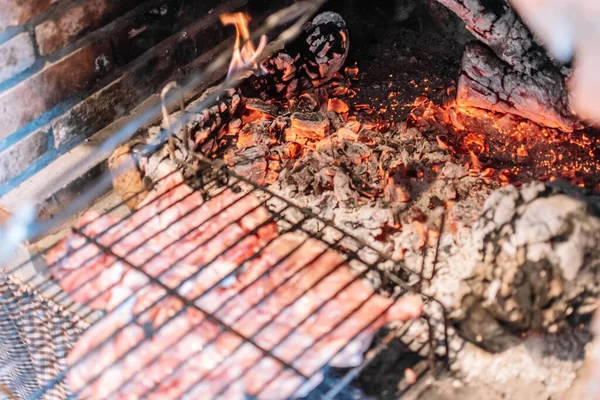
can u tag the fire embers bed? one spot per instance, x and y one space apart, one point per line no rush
298 301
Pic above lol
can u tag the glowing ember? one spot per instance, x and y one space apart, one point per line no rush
244 55
337 105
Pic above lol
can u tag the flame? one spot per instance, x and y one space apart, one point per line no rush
244 55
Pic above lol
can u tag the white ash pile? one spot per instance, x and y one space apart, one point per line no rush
539 367
519 284
536 258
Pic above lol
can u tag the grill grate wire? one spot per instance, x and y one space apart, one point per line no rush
219 179
212 179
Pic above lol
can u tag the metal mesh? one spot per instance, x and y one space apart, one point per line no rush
211 180
36 336
37 362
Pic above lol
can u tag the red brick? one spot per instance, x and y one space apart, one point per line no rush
143 77
16 12
18 157
54 84
16 55
75 22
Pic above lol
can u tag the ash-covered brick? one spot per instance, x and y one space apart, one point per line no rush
18 157
97 111
56 33
57 82
16 55
16 12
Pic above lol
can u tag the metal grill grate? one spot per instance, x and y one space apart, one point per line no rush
211 181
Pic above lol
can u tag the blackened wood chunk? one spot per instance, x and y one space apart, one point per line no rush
487 82
494 23
538 262
211 120
310 61
262 108
328 43
277 78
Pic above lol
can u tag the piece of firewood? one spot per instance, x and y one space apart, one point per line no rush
308 62
128 182
498 26
489 83
327 44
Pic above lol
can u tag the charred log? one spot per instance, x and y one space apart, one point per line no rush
498 26
489 83
537 263
308 62
521 79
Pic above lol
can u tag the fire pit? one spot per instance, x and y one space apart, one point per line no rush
370 211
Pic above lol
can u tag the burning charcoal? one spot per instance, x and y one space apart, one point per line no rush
536 265
338 89
249 162
342 188
255 134
307 127
355 151
352 72
233 127
307 102
394 193
255 170
336 121
279 125
260 109
347 134
337 105
486 82
324 178
354 126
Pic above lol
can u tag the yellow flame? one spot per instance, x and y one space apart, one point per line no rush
243 55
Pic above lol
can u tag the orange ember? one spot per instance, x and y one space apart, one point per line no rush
507 149
337 105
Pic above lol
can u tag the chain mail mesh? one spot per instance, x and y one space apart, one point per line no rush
35 336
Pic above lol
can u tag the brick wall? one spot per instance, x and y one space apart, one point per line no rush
69 68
